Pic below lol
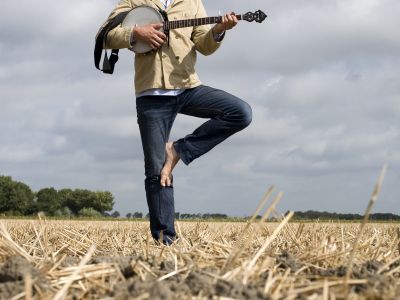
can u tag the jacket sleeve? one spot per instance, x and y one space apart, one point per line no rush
118 37
203 36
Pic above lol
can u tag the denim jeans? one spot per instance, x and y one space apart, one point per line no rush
227 115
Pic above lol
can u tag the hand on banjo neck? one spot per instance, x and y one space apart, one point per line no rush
155 38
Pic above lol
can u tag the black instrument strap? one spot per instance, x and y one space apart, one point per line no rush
165 17
101 41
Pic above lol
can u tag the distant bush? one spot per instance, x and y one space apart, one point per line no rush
11 213
115 214
63 212
89 212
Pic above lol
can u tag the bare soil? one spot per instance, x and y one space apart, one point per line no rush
196 283
128 265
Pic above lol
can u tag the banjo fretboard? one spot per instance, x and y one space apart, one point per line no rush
257 16
194 22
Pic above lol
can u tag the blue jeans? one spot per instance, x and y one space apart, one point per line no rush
227 115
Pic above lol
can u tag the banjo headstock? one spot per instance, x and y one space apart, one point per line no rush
257 16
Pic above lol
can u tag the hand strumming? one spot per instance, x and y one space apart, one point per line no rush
150 34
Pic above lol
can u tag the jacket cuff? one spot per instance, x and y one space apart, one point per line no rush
218 37
128 36
212 44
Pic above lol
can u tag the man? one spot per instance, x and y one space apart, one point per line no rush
166 84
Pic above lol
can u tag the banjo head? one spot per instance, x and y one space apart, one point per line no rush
142 15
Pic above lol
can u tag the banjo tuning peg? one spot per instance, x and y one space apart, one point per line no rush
257 16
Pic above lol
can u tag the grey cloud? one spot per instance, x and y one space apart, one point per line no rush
321 76
316 34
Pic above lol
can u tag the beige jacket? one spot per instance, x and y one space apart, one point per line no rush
170 67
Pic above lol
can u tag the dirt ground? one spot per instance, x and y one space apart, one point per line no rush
193 270
196 283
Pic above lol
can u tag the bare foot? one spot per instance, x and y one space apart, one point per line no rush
171 159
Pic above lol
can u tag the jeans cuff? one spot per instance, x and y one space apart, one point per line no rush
182 153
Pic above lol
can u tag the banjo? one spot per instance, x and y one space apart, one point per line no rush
144 15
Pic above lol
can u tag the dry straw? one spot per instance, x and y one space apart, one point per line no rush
215 260
374 197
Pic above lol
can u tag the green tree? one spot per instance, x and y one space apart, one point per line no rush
115 214
15 197
5 191
104 201
65 197
83 198
77 199
48 201
80 198
137 215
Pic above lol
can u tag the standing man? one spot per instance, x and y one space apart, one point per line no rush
166 84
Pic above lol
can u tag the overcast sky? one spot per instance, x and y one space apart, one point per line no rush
322 77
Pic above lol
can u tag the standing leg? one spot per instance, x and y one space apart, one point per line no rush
228 115
156 115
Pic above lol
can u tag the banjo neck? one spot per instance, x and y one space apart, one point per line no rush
195 22
257 16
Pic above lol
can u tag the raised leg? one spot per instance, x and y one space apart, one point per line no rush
227 115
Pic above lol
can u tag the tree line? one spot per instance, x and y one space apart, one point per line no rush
181 216
317 215
17 199
214 216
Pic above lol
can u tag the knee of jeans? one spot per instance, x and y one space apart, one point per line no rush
246 115
153 166
152 181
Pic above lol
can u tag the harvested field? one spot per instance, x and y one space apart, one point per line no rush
118 260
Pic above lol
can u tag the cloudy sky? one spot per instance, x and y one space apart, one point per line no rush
322 77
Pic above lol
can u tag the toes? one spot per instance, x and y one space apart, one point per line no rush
163 180
166 180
